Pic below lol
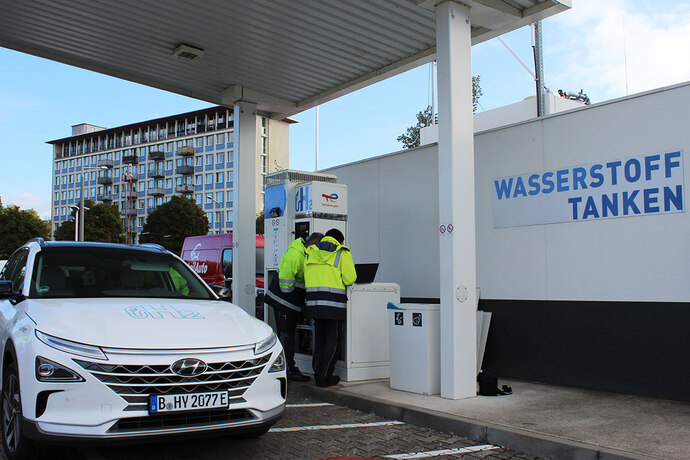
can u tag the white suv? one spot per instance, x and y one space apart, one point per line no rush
105 341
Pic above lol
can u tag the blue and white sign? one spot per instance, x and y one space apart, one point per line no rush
637 186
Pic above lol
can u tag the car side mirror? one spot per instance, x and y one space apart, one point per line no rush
6 291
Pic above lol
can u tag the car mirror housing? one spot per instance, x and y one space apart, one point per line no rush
222 292
6 289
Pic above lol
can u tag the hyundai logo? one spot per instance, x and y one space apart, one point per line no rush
188 367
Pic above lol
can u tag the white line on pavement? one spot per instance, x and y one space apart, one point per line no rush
309 405
438 453
334 427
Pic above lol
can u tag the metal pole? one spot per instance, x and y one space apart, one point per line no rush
539 67
81 206
316 163
76 218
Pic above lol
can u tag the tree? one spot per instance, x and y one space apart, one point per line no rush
102 222
260 223
174 221
19 226
410 138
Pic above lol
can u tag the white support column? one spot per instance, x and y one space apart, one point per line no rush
244 208
456 202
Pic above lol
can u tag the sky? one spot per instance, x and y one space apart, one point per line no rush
608 49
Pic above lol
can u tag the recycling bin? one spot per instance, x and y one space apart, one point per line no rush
414 347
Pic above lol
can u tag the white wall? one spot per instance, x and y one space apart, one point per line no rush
394 210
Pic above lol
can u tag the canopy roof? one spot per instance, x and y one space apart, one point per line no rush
287 56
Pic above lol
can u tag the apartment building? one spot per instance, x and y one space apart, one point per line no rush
140 166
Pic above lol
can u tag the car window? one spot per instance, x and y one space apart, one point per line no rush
19 271
6 272
227 263
113 272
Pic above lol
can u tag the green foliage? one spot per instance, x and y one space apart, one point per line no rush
174 221
102 222
260 223
410 138
19 226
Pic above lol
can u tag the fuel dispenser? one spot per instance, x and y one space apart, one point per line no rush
297 204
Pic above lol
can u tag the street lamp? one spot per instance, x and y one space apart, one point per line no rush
76 218
81 204
222 217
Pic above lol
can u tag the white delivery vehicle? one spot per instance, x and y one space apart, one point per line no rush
104 341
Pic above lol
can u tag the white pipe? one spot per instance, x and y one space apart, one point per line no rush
316 161
529 71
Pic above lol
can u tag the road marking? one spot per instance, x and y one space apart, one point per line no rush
334 427
309 405
438 453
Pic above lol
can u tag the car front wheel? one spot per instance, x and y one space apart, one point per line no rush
16 445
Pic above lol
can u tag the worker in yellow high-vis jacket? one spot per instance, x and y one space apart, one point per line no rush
286 295
328 270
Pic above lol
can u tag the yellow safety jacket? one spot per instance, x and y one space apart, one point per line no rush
287 292
328 270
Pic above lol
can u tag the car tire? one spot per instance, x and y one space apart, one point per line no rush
15 444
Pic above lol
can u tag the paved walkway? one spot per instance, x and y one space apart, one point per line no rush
541 420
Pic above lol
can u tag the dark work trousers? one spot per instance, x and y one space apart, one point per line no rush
286 324
326 340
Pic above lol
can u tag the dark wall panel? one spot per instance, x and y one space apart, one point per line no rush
628 347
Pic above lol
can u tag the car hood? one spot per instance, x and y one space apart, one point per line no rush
147 323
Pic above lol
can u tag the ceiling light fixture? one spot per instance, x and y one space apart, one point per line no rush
188 53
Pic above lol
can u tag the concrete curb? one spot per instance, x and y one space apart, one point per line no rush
531 443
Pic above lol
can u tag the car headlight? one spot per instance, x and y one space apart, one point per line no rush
68 346
50 371
265 344
279 364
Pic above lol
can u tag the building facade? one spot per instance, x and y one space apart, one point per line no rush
140 166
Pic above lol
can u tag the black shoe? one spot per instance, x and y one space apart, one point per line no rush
331 381
294 375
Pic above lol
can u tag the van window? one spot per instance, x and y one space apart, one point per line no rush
227 263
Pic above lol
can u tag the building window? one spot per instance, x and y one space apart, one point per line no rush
219 197
169 165
220 138
209 159
199 142
231 136
220 177
140 221
140 204
209 140
228 195
197 180
228 216
264 145
263 164
168 183
199 161
219 157
79 161
209 178
198 198
209 216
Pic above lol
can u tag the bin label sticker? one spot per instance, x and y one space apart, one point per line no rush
399 318
417 319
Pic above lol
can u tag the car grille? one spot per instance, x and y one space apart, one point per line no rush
134 383
182 420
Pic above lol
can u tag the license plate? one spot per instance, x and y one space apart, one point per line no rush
187 402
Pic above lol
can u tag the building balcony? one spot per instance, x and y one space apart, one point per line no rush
130 177
107 198
157 173
129 196
105 180
184 169
106 163
185 188
156 155
129 212
156 191
151 209
130 159
185 151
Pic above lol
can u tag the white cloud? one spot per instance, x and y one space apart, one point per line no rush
588 47
28 201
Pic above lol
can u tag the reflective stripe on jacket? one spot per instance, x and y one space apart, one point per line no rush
291 272
328 270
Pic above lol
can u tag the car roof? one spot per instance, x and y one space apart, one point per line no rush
88 244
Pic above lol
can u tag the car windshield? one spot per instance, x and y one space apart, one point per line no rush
113 272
